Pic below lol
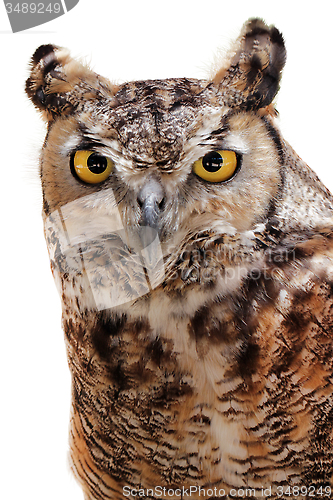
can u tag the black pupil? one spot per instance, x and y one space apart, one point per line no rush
212 162
97 164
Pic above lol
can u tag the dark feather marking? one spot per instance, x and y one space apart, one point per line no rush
104 330
42 52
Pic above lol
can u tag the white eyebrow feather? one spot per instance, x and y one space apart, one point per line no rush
235 142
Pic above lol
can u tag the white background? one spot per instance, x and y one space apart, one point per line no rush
123 41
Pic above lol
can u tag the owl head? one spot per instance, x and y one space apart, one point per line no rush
171 150
192 165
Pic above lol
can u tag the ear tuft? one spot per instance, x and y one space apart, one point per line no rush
47 64
251 78
58 83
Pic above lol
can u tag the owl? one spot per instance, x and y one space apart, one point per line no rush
192 250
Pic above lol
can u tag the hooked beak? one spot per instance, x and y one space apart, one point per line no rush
151 200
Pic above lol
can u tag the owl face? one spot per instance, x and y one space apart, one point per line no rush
153 159
167 161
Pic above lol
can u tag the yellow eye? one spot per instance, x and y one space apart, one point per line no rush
216 166
91 167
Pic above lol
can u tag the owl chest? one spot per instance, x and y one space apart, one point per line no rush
165 386
190 390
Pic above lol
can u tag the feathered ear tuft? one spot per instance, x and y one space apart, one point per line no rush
58 83
251 78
